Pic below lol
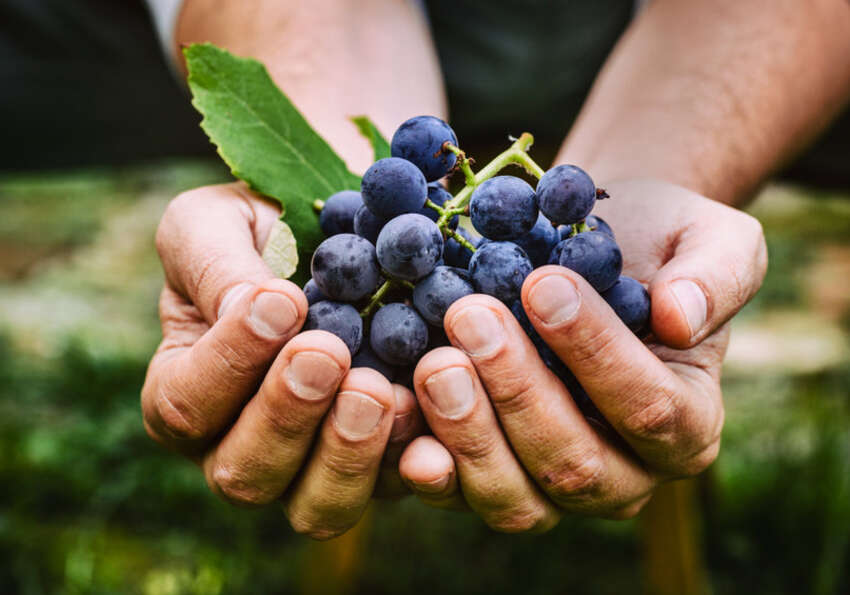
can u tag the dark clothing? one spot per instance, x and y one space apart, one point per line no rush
84 82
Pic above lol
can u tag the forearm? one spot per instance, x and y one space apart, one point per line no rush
715 95
333 58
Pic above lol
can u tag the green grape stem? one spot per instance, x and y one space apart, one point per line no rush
516 154
376 298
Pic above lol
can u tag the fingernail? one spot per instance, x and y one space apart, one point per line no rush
356 414
272 314
232 296
692 302
401 426
478 330
312 375
554 299
451 391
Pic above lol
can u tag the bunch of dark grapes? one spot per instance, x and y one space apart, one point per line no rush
395 258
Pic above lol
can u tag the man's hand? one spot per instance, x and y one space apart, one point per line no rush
267 413
513 445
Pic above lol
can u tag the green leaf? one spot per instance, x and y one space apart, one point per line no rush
379 144
263 138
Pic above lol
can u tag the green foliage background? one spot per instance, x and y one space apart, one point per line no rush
90 505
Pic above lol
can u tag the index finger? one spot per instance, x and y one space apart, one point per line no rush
673 422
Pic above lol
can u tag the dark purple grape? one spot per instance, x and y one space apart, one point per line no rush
498 269
367 224
366 358
343 320
392 187
313 293
503 208
538 242
345 268
598 224
628 298
593 255
409 246
420 141
337 215
566 194
398 334
433 295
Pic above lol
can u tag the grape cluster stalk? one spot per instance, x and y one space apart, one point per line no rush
396 258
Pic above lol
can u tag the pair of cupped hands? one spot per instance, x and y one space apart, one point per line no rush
271 415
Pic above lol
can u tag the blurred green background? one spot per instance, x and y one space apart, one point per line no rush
91 505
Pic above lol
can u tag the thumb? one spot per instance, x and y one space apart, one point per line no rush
717 267
208 241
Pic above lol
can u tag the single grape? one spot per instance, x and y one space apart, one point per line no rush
409 246
367 224
598 224
337 216
538 242
398 334
392 187
344 267
498 269
420 141
438 195
593 255
366 358
433 295
313 293
566 194
343 320
457 255
628 298
503 208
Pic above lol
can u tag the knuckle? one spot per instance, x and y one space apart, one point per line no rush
348 468
579 478
234 362
178 422
629 511
514 390
236 489
519 521
699 462
748 280
308 524
282 419
473 447
174 213
658 421
593 347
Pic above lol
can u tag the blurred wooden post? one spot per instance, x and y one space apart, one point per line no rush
672 541
331 567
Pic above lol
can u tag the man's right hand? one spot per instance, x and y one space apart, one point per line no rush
237 389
